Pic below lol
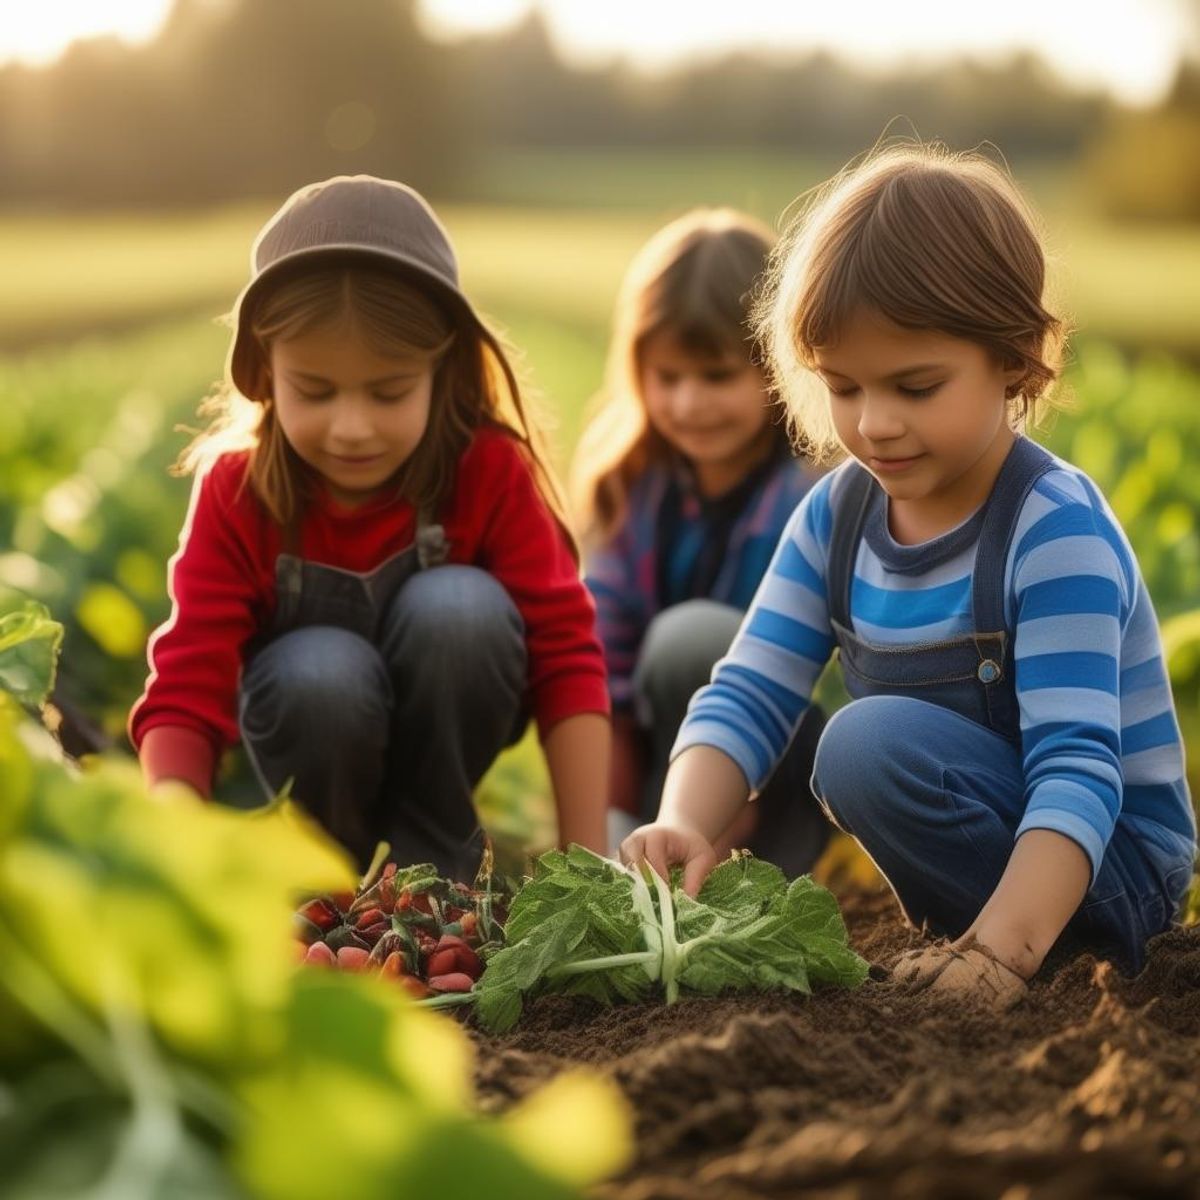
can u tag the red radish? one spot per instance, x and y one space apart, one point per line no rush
404 900
388 871
455 957
442 962
465 959
343 900
393 966
320 955
455 982
321 913
373 933
371 917
351 958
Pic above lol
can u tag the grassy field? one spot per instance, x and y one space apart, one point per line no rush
71 275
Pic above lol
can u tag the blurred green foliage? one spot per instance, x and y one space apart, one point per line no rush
157 1037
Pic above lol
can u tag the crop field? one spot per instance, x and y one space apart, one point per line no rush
185 1010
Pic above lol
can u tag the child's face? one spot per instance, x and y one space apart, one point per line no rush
350 413
712 410
923 411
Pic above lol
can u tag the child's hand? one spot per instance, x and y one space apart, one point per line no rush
663 846
962 969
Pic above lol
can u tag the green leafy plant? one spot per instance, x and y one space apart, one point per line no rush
29 646
157 1037
583 925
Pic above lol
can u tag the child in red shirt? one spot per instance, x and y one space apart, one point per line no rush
373 588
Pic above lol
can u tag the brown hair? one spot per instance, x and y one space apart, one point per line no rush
928 238
694 279
474 384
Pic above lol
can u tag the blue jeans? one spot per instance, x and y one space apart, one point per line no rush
935 799
387 740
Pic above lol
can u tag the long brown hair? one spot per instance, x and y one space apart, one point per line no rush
474 385
931 240
694 280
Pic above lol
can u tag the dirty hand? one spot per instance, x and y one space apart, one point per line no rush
967 968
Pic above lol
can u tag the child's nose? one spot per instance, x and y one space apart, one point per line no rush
350 421
688 399
878 420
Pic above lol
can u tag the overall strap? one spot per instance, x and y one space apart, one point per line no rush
849 515
1026 463
432 546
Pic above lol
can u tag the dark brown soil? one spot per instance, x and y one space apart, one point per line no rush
1089 1088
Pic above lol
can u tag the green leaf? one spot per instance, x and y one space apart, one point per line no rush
584 926
29 645
739 881
140 878
371 1097
64 1133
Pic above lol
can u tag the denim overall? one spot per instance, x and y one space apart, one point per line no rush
924 768
384 696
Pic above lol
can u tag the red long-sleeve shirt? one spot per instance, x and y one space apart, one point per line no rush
222 585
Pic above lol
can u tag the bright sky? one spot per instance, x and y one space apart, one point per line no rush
1130 46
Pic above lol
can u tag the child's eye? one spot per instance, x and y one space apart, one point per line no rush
667 378
313 395
920 393
719 375
842 391
391 399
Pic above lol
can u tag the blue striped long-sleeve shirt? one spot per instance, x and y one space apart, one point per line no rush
1100 740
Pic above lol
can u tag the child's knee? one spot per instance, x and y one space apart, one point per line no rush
454 619
679 650
318 674
863 753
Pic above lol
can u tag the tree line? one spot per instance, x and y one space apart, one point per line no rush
239 98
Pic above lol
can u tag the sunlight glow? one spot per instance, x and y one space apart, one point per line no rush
39 32
1129 46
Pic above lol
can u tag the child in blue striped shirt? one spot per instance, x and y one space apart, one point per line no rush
1010 759
684 482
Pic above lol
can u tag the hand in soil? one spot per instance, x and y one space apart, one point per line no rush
960 971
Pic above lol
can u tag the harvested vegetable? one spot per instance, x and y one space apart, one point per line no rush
407 924
584 925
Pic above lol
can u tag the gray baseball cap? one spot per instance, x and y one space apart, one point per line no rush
346 217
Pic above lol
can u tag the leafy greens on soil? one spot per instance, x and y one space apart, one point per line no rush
583 925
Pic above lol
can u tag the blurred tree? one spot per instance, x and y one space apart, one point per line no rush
234 98
240 98
1145 164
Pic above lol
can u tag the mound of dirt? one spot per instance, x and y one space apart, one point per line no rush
1089 1088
